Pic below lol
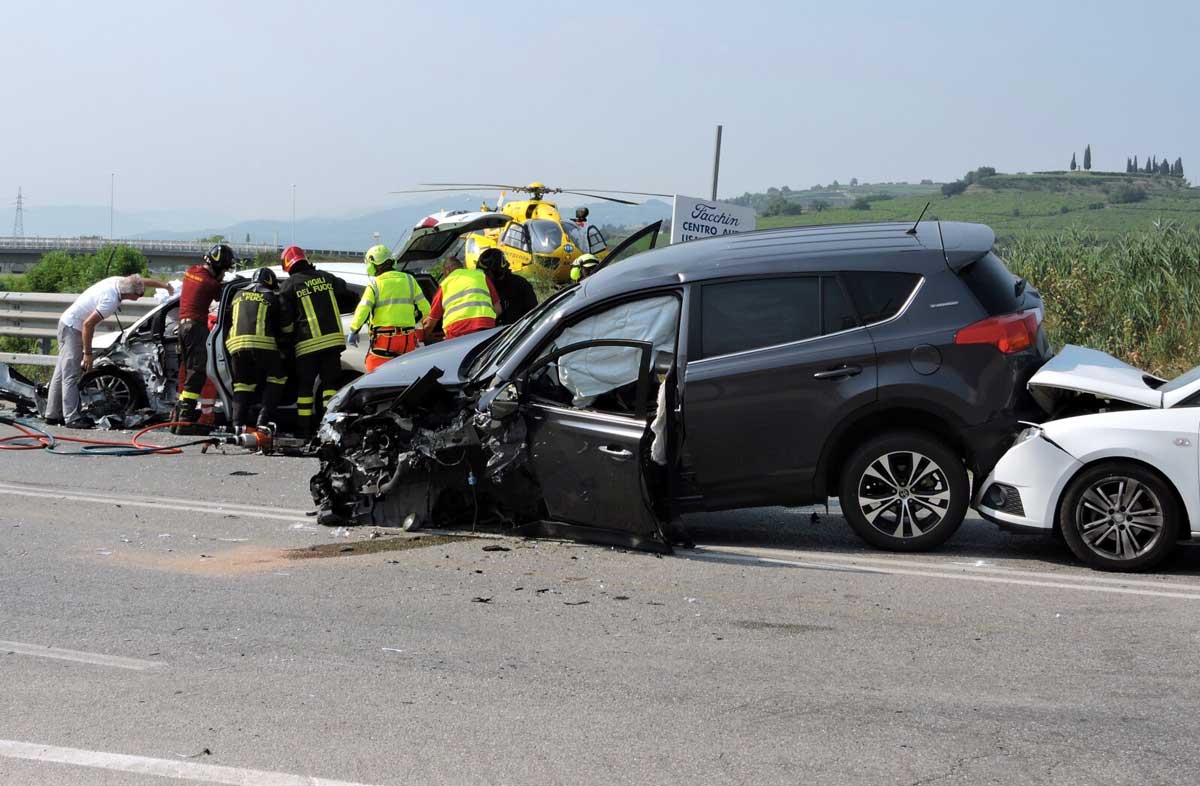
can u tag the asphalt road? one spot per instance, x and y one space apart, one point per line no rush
154 626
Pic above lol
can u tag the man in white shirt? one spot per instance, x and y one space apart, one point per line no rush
75 329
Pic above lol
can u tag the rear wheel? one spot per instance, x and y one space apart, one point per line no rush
904 491
1119 516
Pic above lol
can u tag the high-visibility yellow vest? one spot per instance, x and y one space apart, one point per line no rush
465 295
390 300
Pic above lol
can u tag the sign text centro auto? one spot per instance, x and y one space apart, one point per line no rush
693 219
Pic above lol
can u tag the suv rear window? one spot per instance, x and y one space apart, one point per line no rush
992 285
879 295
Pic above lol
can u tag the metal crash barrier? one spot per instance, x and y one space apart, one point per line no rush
35 315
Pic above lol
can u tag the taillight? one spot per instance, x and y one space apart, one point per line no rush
1009 333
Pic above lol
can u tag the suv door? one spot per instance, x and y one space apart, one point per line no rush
773 365
642 240
589 461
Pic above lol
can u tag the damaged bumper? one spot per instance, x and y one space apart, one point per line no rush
28 397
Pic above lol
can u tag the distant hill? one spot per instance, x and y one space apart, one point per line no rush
1105 203
349 234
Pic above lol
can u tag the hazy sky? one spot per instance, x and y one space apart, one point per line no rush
222 106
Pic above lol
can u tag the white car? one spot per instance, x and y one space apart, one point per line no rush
1121 483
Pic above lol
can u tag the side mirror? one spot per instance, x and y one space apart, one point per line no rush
505 403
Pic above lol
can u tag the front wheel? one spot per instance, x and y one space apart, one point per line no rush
1119 516
108 391
904 491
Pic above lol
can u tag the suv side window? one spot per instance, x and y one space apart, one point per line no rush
836 313
879 295
740 315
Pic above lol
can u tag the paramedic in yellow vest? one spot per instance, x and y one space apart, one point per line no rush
393 304
252 340
465 302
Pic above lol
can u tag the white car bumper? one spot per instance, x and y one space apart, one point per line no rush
1024 488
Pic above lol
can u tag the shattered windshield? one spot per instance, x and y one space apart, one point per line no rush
488 362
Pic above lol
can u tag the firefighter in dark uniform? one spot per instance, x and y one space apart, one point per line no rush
201 286
312 318
252 341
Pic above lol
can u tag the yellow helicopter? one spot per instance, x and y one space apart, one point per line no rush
536 235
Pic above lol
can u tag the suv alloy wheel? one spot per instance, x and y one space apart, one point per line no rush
904 491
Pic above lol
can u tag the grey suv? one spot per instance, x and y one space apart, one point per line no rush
873 362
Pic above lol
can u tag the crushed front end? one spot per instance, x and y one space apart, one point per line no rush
421 456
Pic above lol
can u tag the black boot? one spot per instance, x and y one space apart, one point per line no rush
186 412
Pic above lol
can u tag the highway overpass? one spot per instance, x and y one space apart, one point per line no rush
18 254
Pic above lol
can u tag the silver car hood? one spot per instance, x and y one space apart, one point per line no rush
1083 370
447 355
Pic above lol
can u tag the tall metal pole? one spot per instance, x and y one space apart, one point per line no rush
293 214
112 184
716 163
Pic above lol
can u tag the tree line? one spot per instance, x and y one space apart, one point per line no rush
1154 166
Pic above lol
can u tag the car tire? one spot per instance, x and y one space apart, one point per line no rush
1097 521
125 394
904 491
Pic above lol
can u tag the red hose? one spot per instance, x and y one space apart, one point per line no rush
41 442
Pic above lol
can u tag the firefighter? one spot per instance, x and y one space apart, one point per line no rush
252 341
312 318
201 286
517 297
583 266
465 302
393 303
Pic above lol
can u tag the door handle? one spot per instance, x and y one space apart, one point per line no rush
617 453
841 372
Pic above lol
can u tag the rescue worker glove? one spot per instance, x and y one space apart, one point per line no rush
352 338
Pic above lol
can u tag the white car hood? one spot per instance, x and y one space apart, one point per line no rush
1083 370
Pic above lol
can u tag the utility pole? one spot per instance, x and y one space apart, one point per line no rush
293 214
19 220
716 163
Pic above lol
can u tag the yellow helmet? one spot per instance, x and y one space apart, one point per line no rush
375 256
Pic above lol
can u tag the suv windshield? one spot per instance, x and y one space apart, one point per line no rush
546 235
487 363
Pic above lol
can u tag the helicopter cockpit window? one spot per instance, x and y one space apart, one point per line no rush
546 235
596 241
575 235
516 237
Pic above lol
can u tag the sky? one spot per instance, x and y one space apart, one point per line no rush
219 107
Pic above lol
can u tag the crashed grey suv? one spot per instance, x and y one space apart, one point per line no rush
877 363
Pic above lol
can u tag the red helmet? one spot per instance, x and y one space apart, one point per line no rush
290 256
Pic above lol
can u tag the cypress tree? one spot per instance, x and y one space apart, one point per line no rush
1164 168
1179 167
1087 158
1073 167
1135 164
1128 165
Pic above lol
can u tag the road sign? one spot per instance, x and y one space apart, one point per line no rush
693 219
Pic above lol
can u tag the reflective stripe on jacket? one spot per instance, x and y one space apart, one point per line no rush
254 320
465 295
310 304
391 300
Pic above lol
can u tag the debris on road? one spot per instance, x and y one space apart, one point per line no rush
478 599
496 547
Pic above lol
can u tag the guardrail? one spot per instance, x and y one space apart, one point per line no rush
35 315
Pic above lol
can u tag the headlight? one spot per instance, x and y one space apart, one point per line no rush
1028 434
339 398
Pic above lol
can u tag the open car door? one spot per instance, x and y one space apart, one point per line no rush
590 453
642 240
433 238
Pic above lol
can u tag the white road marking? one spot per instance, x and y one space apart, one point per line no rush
163 768
95 658
979 566
160 503
734 557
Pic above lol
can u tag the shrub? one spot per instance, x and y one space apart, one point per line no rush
58 271
952 189
1016 212
1095 206
862 203
1127 194
1062 211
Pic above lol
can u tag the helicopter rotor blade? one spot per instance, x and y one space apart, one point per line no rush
616 191
598 196
433 190
478 185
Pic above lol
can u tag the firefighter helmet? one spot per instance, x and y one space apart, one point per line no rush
265 277
290 256
220 256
